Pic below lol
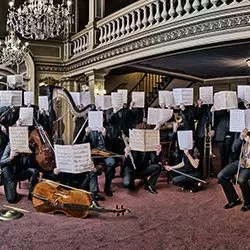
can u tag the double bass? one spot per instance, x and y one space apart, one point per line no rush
53 197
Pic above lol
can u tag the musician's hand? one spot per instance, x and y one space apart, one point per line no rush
13 154
127 150
158 126
162 105
168 168
158 149
103 131
19 122
186 152
243 133
182 107
212 109
175 126
132 104
3 129
200 102
92 166
56 171
88 130
211 133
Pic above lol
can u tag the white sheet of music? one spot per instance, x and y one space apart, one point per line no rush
103 101
206 94
124 92
117 100
95 119
26 115
73 158
139 99
225 100
85 98
76 96
28 97
156 115
166 97
99 101
43 102
243 92
237 120
183 96
11 97
15 80
19 139
144 140
185 139
247 118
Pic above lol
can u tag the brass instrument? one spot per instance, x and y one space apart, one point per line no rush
178 118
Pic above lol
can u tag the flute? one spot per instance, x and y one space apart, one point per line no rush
127 145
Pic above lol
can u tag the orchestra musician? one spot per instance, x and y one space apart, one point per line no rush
147 167
99 140
241 168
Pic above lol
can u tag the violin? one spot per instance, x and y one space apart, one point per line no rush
44 154
52 197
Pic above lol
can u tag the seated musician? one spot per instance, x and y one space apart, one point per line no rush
16 167
99 140
146 167
240 168
188 166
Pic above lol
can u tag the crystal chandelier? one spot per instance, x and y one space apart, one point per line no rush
12 52
40 19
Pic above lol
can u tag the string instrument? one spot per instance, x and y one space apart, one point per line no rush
44 154
51 197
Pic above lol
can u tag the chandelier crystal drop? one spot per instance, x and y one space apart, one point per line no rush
12 51
40 19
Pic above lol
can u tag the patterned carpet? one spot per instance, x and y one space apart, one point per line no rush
172 219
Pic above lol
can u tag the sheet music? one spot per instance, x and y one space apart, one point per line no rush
156 115
144 140
139 99
103 101
206 94
247 119
5 100
15 80
243 92
73 158
136 139
43 102
95 119
16 97
185 139
166 97
19 139
183 96
11 97
117 100
85 98
225 100
124 92
152 139
237 120
26 115
28 97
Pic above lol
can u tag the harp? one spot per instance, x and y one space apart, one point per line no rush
54 92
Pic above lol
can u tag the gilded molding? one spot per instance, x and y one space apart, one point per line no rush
202 27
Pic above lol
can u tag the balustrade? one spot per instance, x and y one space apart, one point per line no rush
143 15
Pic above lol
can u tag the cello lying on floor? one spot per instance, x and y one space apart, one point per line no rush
52 197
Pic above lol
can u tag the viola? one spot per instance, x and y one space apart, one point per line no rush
52 197
44 154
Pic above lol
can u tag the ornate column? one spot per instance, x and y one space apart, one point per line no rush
96 12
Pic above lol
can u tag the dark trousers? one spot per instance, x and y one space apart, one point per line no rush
11 177
152 171
184 181
225 179
225 150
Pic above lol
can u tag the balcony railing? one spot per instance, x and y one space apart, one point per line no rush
142 16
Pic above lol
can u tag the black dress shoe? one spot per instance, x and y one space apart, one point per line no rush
245 208
99 197
233 204
150 189
95 205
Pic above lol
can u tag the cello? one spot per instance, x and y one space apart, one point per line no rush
53 197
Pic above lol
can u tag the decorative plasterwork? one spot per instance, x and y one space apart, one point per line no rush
175 34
